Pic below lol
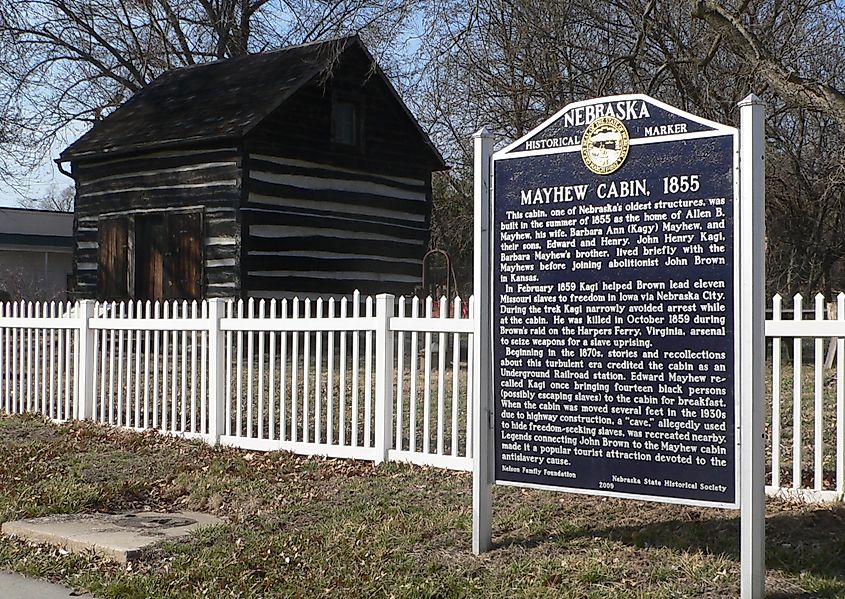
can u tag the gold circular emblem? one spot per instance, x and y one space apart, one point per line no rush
604 145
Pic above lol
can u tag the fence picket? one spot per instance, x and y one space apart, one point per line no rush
174 372
840 399
776 384
330 380
796 398
204 372
57 373
356 339
400 379
61 395
156 354
61 398
271 387
19 366
283 365
342 387
412 393
47 403
456 365
238 373
22 363
318 377
70 337
15 352
129 337
10 361
165 366
99 394
427 387
112 352
194 316
470 383
368 377
39 400
28 370
11 366
306 377
99 356
294 371
250 358
4 356
32 373
818 391
137 398
4 360
227 408
262 314
441 377
147 315
5 347
184 367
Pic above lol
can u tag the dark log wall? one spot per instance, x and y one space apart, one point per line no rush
325 218
317 229
204 178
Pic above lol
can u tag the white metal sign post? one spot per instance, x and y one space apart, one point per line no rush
619 325
482 506
752 196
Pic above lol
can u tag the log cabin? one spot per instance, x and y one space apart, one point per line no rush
294 172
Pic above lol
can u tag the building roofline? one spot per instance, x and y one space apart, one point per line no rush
42 210
333 53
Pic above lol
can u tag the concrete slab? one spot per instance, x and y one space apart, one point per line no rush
15 586
121 537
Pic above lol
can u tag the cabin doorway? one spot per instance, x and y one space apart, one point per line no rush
153 256
151 242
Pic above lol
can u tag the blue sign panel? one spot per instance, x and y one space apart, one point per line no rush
614 305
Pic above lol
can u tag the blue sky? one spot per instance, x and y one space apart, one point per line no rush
39 182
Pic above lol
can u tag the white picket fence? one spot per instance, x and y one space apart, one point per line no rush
361 377
345 378
791 440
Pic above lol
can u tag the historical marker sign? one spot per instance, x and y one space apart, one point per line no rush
614 304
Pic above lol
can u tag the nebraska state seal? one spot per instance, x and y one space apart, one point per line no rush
604 145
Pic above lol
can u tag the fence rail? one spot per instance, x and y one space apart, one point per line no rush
360 377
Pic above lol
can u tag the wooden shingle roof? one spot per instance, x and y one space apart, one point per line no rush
216 101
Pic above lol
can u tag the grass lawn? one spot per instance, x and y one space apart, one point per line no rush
312 527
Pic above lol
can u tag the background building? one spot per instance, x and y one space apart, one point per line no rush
36 249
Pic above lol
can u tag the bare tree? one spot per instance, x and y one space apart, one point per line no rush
58 200
74 61
796 53
793 47
509 64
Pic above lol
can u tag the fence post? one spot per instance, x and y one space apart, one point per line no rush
216 370
85 362
384 375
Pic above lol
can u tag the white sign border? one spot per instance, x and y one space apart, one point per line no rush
720 131
716 128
